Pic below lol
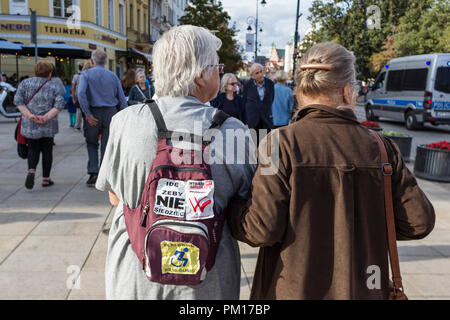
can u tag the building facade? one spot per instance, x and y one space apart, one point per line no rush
86 24
125 29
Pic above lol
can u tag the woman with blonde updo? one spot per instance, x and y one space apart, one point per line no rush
320 218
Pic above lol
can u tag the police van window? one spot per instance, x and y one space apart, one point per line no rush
415 79
410 80
443 79
380 81
394 80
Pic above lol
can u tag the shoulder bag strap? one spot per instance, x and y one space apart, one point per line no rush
140 91
390 222
35 93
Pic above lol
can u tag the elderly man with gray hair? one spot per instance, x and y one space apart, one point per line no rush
258 95
186 73
100 96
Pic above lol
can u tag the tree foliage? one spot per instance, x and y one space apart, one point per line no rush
406 27
213 17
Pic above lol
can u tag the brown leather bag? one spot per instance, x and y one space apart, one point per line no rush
397 292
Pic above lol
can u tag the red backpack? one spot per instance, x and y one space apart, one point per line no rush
175 231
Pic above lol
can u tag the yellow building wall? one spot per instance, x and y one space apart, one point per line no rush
50 30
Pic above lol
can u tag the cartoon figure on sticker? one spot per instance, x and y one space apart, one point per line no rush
180 260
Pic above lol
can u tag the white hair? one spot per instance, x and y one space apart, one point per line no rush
224 82
252 68
139 72
99 57
181 55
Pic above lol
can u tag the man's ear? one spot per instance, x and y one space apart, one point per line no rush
200 81
348 94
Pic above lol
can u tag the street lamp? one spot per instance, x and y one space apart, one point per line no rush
298 15
258 26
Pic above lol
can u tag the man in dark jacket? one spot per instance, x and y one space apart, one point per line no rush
258 96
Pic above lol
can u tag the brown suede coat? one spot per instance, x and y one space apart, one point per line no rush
320 220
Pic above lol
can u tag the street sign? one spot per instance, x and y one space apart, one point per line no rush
250 42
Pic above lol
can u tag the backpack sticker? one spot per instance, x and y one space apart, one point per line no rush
199 200
170 198
179 258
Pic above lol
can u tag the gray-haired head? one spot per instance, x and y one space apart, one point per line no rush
140 72
181 55
99 57
255 66
224 82
281 76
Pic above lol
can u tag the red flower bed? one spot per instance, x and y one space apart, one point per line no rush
370 124
444 145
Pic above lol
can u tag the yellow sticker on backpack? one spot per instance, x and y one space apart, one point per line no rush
179 258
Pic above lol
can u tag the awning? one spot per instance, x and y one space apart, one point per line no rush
9 47
145 55
59 49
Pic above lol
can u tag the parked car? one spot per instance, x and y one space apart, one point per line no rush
413 89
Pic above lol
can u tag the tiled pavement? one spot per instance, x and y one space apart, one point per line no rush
48 236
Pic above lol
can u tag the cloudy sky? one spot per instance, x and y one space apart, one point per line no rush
278 17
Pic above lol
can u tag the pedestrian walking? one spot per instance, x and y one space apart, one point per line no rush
39 100
320 219
72 109
128 81
283 101
100 95
141 91
185 80
258 95
228 99
75 82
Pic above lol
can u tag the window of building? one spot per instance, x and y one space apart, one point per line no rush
139 20
131 16
111 14
443 79
145 23
18 7
121 19
60 8
98 10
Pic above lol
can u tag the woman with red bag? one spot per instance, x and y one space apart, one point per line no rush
39 101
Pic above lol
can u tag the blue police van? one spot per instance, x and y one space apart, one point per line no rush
413 89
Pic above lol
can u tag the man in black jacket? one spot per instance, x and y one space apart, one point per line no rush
258 95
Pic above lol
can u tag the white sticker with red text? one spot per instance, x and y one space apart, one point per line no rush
199 199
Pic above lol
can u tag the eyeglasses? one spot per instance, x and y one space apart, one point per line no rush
233 84
219 67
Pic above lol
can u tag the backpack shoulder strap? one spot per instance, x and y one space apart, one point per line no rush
163 132
157 115
219 118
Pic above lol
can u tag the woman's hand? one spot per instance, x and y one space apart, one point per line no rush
113 199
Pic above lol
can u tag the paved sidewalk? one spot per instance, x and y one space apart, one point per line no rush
49 237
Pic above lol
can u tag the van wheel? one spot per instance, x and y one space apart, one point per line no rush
411 121
370 116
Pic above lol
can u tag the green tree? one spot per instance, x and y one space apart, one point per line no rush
213 17
424 28
345 22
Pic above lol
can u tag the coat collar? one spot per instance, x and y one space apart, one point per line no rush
322 111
